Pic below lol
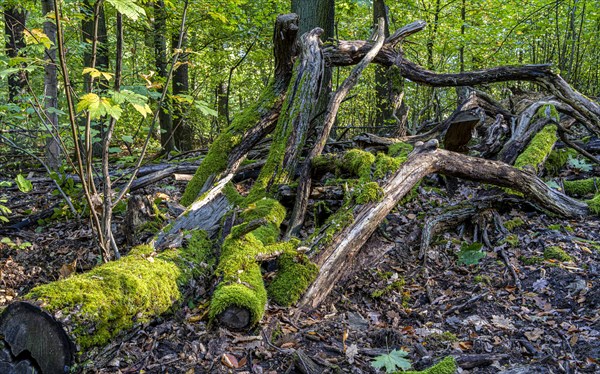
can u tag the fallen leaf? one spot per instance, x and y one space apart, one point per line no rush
351 352
230 361
534 335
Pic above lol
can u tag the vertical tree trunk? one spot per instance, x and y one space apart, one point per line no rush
183 132
391 110
160 53
53 151
318 13
221 99
14 25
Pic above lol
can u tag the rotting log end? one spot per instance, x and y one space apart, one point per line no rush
34 336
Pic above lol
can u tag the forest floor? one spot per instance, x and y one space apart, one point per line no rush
547 323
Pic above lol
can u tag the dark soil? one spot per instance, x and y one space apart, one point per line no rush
395 300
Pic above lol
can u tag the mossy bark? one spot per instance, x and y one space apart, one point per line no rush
94 307
231 146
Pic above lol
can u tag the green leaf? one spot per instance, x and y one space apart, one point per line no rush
391 361
128 8
471 254
5 184
127 139
89 101
114 150
23 184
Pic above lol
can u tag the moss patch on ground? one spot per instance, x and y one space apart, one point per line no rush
514 223
446 366
294 275
112 297
594 205
556 253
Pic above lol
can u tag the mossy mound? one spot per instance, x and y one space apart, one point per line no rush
558 158
556 253
594 204
400 150
385 165
538 149
514 223
112 297
446 366
582 187
294 275
358 162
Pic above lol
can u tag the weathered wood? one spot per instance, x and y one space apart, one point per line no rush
304 183
33 333
426 159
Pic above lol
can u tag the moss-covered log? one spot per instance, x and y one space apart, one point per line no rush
54 320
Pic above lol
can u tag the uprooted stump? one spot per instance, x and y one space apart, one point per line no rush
55 320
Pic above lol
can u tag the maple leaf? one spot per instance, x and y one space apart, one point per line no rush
391 361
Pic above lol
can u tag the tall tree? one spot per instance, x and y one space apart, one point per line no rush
160 55
53 151
182 129
14 26
318 13
391 110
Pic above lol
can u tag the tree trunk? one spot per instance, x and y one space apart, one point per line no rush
183 131
85 310
160 55
53 150
14 26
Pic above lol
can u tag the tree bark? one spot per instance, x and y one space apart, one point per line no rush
53 150
182 129
14 27
160 54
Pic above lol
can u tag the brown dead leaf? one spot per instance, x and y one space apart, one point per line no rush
230 361
534 335
67 269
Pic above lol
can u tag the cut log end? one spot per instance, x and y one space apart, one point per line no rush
35 341
235 318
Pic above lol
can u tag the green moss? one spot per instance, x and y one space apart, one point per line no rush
328 161
385 165
482 279
359 162
594 205
514 223
112 297
558 159
538 149
294 275
556 253
444 337
446 366
396 285
368 192
512 239
215 161
555 227
400 150
533 260
582 187
242 284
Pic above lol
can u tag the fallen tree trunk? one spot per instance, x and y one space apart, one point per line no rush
424 160
55 320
